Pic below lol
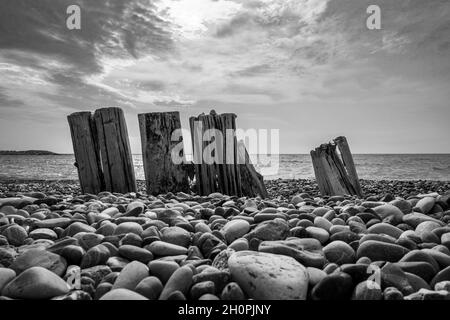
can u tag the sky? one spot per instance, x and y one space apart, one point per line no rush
310 68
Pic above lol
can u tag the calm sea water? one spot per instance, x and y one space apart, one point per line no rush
376 167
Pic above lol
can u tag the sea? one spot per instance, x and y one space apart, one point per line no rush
285 166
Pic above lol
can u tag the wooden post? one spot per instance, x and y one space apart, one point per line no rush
162 175
318 172
85 148
115 150
252 182
232 169
347 158
335 176
224 174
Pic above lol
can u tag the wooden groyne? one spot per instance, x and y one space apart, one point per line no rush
102 151
220 164
335 174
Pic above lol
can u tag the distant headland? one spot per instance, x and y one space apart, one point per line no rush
28 153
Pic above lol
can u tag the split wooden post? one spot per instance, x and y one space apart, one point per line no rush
335 175
162 175
87 156
216 168
214 136
347 158
115 150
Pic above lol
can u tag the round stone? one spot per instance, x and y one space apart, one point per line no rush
53 223
15 235
335 286
135 208
381 251
323 223
6 275
385 228
277 229
43 233
95 256
135 253
129 227
150 287
39 258
122 294
426 226
402 204
180 280
130 276
176 235
163 270
88 240
339 252
268 276
239 245
36 283
235 229
232 291
161 248
315 275
388 210
78 227
426 204
73 254
318 233
443 275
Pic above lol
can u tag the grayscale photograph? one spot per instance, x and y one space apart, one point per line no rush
224 154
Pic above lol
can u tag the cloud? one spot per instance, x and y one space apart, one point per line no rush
173 104
8 102
282 63
252 71
152 85
111 28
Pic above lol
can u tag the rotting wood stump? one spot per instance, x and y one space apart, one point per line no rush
102 151
162 173
87 155
115 151
335 174
215 158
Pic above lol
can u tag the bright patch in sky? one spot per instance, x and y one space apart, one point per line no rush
193 16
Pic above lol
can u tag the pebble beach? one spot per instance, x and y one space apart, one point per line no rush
393 244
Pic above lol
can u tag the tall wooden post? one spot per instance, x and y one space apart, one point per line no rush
115 150
162 175
347 158
224 173
87 156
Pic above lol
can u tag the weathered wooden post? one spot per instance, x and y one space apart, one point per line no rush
222 173
162 175
214 136
335 176
252 181
115 150
85 148
347 159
